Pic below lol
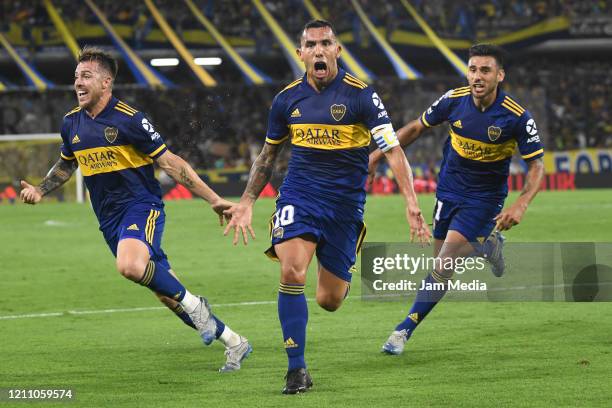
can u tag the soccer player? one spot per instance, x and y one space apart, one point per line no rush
329 117
115 147
485 125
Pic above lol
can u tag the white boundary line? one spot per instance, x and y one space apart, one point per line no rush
125 310
258 303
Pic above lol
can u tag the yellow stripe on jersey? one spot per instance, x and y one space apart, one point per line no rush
291 85
63 156
329 137
459 92
480 151
159 149
126 107
352 83
275 142
120 109
74 110
354 79
511 108
425 120
530 155
513 103
106 159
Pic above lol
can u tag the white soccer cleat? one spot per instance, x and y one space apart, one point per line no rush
493 253
395 343
235 355
203 320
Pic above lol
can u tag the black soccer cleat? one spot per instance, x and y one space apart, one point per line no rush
298 380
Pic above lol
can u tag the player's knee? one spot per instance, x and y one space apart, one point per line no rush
329 301
131 269
290 273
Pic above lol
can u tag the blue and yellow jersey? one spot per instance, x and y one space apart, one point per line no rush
477 154
329 134
115 153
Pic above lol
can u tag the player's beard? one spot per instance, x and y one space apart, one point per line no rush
89 100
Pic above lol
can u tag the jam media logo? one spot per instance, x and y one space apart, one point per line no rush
494 133
110 134
337 112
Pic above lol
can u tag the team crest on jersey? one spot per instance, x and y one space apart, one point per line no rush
278 232
494 133
110 134
337 111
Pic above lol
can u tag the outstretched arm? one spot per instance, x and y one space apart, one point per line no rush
406 136
183 173
513 215
403 175
59 174
260 174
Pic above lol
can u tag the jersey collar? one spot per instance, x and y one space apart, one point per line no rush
110 105
497 101
334 83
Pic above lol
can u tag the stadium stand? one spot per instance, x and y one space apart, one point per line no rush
223 127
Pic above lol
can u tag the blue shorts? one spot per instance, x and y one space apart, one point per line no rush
144 222
338 232
473 219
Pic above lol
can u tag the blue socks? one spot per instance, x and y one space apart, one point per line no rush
435 286
220 327
182 314
158 279
293 316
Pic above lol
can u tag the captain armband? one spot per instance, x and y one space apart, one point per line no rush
385 137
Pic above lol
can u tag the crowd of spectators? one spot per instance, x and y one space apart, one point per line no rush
465 19
225 126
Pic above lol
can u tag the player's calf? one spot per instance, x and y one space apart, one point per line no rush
331 290
329 301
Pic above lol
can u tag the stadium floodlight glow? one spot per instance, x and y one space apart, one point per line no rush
208 61
164 62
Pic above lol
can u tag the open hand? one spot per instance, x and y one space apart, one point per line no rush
240 220
30 194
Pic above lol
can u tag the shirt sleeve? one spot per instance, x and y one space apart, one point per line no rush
438 111
278 129
142 134
375 117
66 152
373 112
528 138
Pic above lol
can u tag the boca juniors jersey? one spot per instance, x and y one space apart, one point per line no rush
115 152
329 134
477 153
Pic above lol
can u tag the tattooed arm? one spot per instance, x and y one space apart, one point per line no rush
57 176
183 173
260 174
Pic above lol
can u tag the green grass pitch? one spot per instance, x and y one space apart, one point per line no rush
465 354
